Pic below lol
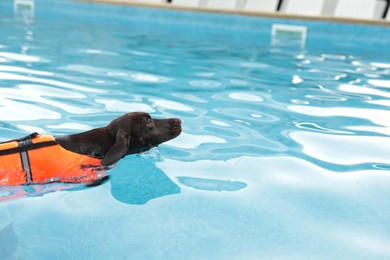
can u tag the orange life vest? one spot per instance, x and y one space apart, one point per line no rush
38 159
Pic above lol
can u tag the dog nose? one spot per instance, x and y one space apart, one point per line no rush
176 121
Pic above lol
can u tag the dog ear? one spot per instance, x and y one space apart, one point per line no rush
118 150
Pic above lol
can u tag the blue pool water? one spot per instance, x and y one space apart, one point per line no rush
284 152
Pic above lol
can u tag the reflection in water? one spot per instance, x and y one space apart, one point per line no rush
140 181
16 192
211 185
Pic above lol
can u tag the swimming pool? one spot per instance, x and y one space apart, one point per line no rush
284 152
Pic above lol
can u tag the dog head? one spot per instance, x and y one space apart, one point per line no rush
138 132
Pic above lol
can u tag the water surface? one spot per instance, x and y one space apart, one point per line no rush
284 152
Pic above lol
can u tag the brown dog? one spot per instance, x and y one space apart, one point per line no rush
129 134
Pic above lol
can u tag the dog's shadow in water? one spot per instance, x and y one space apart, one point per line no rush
139 180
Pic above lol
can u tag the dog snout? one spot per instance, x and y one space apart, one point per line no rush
175 121
175 126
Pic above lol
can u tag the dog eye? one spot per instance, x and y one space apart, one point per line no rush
150 123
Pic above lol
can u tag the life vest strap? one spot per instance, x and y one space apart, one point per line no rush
26 146
25 160
30 136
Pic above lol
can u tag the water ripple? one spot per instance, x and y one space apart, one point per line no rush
205 83
377 116
60 84
344 149
136 76
124 107
25 70
10 56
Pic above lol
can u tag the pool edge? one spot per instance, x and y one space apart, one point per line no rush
244 13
